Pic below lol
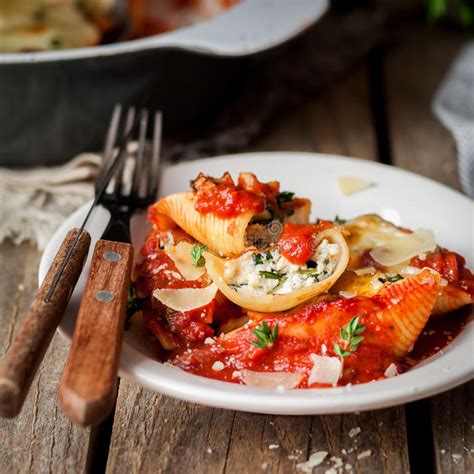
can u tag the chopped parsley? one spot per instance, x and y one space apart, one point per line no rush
350 337
312 272
196 254
265 336
259 258
271 275
391 279
285 196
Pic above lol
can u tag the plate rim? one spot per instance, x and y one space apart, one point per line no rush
295 402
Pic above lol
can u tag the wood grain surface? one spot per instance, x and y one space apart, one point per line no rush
40 439
88 387
421 144
20 363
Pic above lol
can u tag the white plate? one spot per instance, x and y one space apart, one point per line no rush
400 196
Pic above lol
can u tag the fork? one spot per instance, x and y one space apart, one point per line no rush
89 382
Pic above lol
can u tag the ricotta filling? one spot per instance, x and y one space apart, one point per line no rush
258 273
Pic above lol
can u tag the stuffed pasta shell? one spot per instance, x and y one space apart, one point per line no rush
306 261
382 254
228 217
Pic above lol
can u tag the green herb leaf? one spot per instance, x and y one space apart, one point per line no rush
349 335
196 254
271 275
258 258
285 196
391 279
265 336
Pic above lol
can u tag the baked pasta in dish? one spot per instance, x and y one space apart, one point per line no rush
236 284
42 25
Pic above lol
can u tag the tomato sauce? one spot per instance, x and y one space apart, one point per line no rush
297 241
225 199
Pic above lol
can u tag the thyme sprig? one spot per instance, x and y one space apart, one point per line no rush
265 335
350 337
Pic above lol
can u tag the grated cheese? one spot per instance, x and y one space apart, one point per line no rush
391 371
314 460
217 366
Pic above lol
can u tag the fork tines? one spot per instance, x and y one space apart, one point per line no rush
135 180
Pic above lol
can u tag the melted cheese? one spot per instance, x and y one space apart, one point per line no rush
181 256
350 185
186 299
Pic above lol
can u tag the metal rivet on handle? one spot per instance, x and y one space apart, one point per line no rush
112 256
104 296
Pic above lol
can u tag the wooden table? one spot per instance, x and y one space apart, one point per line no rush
381 112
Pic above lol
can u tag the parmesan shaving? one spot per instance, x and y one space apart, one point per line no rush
348 294
325 369
409 270
186 299
365 271
181 256
404 248
287 380
391 371
350 185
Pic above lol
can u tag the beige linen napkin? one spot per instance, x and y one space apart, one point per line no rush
34 202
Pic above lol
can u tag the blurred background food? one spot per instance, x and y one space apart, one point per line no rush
42 25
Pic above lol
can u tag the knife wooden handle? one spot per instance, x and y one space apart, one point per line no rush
89 382
19 366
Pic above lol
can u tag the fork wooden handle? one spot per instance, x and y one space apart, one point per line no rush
88 386
19 366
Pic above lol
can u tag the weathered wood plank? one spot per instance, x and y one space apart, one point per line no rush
40 439
453 426
338 121
414 70
154 433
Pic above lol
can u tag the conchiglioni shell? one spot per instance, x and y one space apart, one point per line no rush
269 303
451 298
225 237
409 305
